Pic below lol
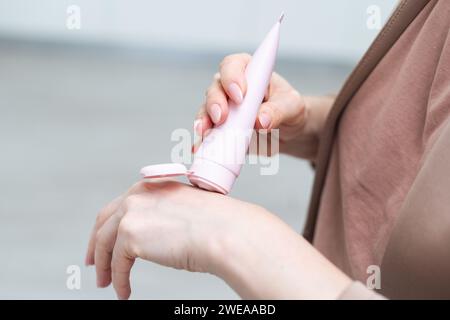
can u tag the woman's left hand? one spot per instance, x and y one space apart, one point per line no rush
183 227
166 222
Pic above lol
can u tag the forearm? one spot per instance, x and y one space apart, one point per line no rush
279 265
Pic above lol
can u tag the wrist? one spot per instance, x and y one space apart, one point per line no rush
304 142
317 109
250 255
269 260
240 257
236 247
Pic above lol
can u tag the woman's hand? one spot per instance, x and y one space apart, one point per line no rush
166 222
299 119
183 227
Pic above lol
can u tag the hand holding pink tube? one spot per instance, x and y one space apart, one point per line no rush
218 161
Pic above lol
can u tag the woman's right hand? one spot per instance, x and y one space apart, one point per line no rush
299 119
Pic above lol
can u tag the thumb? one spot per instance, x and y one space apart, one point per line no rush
286 108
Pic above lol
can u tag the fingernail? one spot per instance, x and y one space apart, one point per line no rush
198 126
264 120
215 112
235 93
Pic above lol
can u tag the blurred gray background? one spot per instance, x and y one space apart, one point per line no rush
82 110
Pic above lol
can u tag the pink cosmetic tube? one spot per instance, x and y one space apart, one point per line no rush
218 161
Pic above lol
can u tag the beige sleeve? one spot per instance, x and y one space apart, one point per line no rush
357 291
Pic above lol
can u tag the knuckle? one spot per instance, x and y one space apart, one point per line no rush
211 92
271 107
127 228
213 89
215 96
138 186
230 59
99 239
237 58
100 217
298 101
244 55
128 231
233 76
132 201
103 214
226 60
209 89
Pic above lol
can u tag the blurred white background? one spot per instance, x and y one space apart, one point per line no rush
81 111
321 29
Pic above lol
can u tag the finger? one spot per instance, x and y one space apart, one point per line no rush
268 116
232 76
216 102
203 122
121 266
106 239
104 215
284 108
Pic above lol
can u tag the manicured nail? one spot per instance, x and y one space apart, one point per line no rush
235 93
264 120
198 126
215 112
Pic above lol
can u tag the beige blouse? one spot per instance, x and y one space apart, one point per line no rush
383 140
